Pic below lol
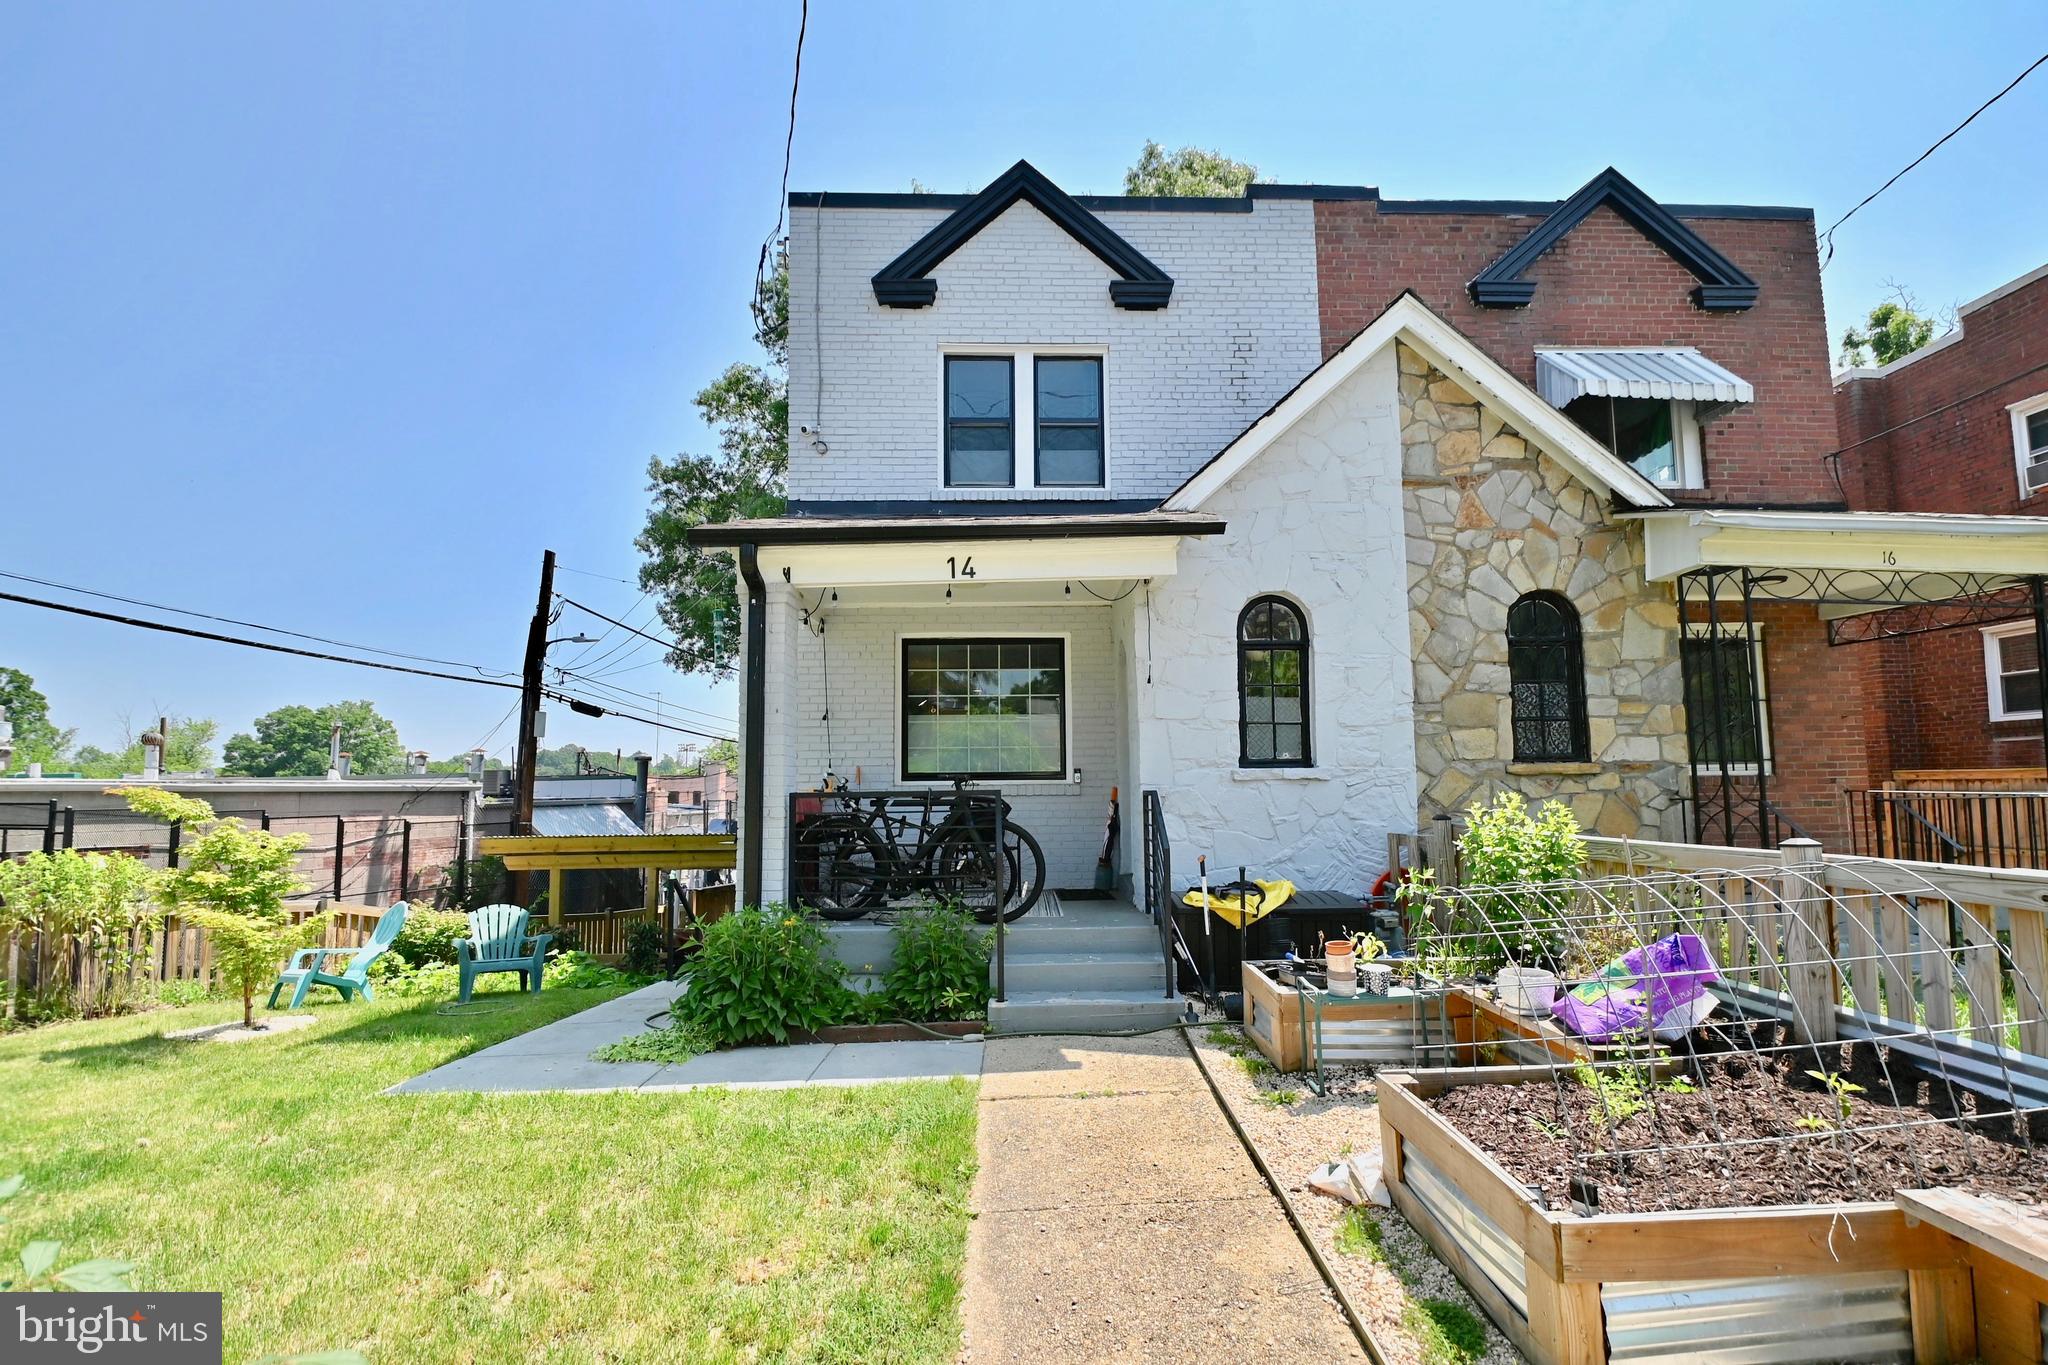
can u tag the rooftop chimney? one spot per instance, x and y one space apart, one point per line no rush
416 762
334 754
476 764
153 751
6 739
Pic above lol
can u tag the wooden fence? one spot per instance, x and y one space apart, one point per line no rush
100 975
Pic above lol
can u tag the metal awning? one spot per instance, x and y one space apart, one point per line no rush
1648 372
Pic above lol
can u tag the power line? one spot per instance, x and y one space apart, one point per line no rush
782 199
666 644
250 625
595 711
586 573
1829 235
168 629
562 675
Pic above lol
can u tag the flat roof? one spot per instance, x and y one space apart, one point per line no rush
13 782
1224 203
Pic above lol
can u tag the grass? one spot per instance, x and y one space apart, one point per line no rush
1449 1333
1278 1099
1358 1234
824 1224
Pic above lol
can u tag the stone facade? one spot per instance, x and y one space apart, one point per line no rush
1489 518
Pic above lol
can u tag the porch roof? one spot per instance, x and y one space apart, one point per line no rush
1940 545
837 530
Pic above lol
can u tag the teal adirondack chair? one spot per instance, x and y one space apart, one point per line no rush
498 942
309 966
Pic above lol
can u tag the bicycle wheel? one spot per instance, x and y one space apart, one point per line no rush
1012 882
841 868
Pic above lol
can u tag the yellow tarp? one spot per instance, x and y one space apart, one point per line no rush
1230 909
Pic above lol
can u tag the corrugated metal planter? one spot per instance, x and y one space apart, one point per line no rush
1937 1280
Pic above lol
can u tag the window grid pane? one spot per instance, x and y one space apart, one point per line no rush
1272 676
1546 681
993 708
1068 411
980 440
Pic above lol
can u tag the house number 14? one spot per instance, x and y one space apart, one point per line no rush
963 568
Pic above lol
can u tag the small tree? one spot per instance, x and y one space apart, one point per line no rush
1505 845
94 901
231 881
1893 330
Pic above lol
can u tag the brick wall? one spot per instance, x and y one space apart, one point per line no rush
1179 383
1606 284
1910 445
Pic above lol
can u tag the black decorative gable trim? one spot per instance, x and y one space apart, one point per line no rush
904 282
1723 287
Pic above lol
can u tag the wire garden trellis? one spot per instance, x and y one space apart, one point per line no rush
1820 971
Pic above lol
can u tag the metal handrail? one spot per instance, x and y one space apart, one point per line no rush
1159 880
1887 801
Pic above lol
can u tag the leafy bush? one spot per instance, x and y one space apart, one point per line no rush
645 948
473 884
941 967
762 974
673 1044
176 993
428 936
99 900
1504 845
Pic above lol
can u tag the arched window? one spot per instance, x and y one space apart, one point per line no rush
1272 685
1547 673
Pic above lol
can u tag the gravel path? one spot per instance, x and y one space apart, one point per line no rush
1117 1218
1399 1287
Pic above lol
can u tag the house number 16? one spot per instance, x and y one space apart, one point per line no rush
961 569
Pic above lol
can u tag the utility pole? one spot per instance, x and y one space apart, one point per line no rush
529 711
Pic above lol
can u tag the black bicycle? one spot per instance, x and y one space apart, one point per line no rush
863 850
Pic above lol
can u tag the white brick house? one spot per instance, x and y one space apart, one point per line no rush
939 350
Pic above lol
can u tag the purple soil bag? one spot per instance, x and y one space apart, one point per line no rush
1661 987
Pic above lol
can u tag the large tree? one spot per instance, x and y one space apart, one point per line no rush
1189 171
1893 329
189 750
36 740
292 742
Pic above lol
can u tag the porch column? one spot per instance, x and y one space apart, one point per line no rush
778 692
2039 592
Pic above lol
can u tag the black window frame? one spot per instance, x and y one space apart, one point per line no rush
1740 686
947 422
1247 643
1100 424
1569 645
903 695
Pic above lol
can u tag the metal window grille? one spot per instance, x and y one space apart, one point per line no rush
1547 677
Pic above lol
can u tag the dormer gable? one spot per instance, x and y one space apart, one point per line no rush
906 281
1723 287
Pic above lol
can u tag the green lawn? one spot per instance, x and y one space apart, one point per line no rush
823 1224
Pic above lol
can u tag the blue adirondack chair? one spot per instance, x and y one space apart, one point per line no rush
498 942
309 967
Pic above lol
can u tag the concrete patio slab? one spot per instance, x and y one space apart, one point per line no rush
857 1063
743 1067
491 1071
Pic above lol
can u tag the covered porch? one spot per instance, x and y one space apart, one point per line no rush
888 660
1770 735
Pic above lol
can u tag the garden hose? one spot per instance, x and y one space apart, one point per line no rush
459 1010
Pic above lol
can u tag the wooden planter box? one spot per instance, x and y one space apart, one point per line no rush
1937 1276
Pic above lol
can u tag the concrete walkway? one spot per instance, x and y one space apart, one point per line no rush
557 1057
1117 1218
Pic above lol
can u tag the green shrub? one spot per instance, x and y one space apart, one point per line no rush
1504 845
941 966
762 974
645 948
428 936
177 993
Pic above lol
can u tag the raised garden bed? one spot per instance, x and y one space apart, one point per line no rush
1837 1279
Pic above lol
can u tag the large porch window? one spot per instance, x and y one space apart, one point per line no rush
984 708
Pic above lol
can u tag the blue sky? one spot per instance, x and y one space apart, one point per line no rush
335 316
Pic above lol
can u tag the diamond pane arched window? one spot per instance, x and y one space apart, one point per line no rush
1547 674
1272 685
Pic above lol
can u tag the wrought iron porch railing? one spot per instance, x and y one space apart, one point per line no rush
1977 828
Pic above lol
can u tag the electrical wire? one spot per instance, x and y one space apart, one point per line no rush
253 625
591 706
563 675
169 629
1829 235
670 645
782 198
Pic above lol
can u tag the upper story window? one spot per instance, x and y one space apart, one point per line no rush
2012 671
980 438
1659 436
1053 394
1069 413
2030 443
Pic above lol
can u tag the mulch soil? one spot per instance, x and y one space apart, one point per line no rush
1908 1129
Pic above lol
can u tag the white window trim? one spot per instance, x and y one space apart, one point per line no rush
1024 421
1700 630
1026 784
1685 435
1994 670
2019 413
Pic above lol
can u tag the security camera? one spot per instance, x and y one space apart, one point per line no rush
803 431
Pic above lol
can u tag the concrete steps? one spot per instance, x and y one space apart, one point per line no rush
1101 974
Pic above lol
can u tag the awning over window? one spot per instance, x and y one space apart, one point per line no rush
1668 372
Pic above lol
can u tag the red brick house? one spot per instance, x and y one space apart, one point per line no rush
1960 426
